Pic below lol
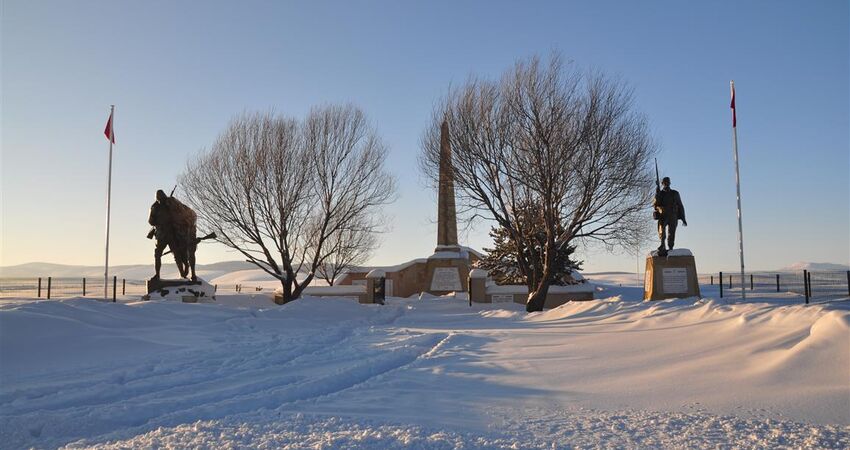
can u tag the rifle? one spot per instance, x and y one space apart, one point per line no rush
198 240
656 176
657 183
656 215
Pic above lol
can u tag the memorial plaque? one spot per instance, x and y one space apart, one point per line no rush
647 281
502 298
446 279
674 280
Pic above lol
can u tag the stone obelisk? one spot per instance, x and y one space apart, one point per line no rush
446 213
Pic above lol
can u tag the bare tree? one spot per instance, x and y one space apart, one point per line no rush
352 247
552 136
284 192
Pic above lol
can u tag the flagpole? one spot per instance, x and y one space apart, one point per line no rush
108 202
738 187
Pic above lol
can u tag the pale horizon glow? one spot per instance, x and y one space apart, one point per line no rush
178 72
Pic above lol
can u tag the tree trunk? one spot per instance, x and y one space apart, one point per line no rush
537 298
287 290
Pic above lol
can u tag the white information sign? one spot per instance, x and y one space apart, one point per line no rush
647 282
502 298
675 280
446 279
359 283
388 287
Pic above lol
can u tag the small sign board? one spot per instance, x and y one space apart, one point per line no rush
446 279
674 280
502 298
358 283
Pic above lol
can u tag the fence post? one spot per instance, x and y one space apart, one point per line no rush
730 281
39 287
806 285
751 282
49 280
114 286
84 287
848 282
810 284
123 286
721 284
777 282
712 280
215 288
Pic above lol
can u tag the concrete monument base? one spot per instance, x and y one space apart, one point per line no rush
186 291
671 276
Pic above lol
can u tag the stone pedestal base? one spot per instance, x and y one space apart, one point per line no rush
672 276
186 291
446 275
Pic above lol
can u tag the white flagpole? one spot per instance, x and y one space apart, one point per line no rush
108 201
738 187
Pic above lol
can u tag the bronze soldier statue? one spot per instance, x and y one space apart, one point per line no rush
174 227
668 211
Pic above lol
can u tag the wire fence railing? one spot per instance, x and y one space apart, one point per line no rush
811 285
64 287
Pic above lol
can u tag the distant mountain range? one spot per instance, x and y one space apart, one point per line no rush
130 272
816 267
221 269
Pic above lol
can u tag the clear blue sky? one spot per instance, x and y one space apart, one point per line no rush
178 71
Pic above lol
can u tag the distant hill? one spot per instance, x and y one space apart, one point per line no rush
816 267
130 272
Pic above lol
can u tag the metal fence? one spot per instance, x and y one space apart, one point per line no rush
811 285
815 286
50 287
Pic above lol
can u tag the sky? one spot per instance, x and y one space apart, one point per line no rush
179 71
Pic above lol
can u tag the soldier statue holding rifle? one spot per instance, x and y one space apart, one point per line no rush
667 210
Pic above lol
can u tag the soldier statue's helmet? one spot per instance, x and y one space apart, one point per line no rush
160 195
665 180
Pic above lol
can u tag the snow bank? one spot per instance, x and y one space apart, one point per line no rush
431 373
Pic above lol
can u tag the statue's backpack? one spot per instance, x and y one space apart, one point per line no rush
185 219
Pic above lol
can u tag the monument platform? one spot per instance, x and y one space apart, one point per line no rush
671 276
184 290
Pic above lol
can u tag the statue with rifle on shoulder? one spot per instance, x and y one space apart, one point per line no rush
668 210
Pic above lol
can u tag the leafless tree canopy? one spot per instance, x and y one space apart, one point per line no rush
547 134
292 195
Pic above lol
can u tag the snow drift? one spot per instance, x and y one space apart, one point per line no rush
432 373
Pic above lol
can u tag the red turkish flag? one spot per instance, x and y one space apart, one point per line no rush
732 105
109 132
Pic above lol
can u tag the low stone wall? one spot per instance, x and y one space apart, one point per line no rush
412 277
557 295
354 292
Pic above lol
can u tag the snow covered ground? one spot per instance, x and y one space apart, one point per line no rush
433 373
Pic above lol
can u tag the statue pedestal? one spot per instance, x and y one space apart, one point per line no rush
186 291
671 276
